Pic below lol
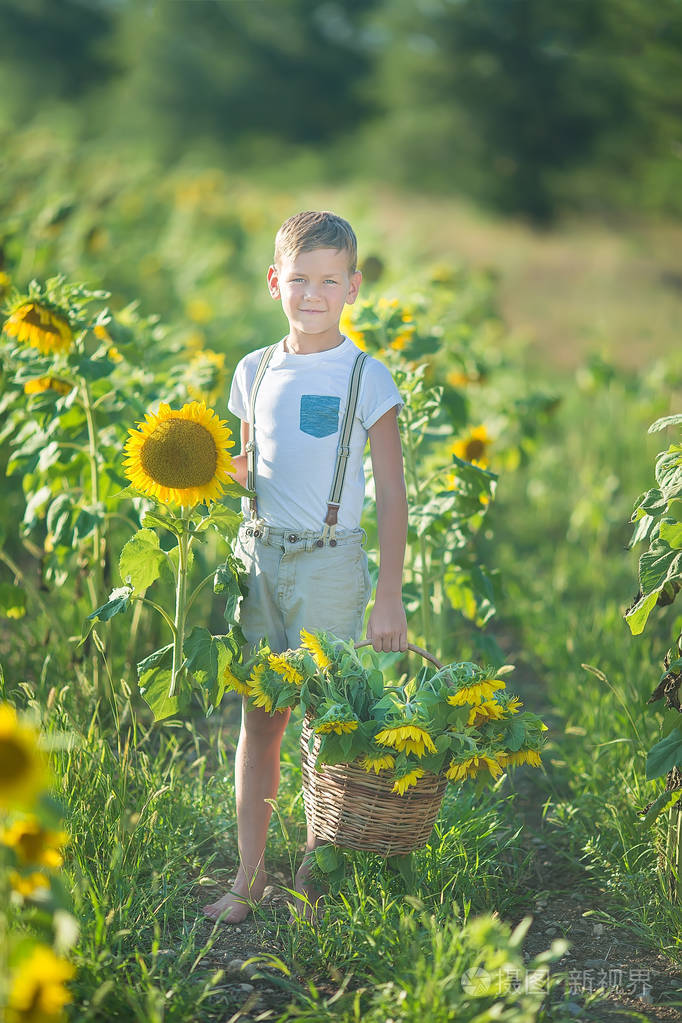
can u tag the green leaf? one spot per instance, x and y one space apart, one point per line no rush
665 755
225 520
404 865
671 532
328 858
659 805
154 689
201 650
160 521
12 601
637 616
141 560
661 424
153 660
118 601
657 566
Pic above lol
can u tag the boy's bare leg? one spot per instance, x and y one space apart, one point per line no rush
302 883
256 779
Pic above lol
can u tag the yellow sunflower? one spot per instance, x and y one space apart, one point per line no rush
407 739
336 726
473 447
489 710
286 670
33 843
23 766
27 885
312 644
407 780
259 696
470 767
524 756
38 993
40 327
376 763
346 327
41 384
207 375
230 681
476 693
180 457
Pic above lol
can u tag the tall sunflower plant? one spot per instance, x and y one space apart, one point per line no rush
178 462
460 424
460 721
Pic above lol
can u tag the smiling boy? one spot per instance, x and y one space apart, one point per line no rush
307 406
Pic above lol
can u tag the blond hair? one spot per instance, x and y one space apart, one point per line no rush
310 230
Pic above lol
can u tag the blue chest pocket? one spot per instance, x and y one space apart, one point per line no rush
319 414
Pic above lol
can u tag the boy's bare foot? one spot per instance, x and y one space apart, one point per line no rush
236 904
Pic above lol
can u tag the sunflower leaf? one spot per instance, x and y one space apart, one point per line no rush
665 755
118 601
141 560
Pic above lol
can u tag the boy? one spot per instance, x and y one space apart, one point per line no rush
302 543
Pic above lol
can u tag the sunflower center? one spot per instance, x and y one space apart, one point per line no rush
475 448
179 454
14 761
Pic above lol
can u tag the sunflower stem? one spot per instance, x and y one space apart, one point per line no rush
180 600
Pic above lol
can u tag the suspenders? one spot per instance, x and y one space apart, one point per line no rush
342 451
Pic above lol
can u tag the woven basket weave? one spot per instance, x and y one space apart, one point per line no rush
355 809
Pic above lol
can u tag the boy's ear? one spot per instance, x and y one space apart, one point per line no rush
355 282
273 282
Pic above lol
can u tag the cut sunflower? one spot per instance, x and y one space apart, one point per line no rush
311 643
406 739
40 326
460 770
289 673
476 693
180 457
407 780
377 762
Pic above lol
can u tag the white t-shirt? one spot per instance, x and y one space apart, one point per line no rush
299 410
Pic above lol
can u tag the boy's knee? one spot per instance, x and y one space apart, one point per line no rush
258 724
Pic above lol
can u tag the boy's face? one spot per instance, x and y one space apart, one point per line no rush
314 287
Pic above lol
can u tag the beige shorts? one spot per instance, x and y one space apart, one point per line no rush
296 583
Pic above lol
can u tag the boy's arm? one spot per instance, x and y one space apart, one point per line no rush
240 460
387 625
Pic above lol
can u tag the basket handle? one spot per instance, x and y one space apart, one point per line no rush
410 646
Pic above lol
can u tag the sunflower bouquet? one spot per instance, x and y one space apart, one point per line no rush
459 722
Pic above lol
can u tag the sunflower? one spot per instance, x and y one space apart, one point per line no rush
23 767
312 644
406 739
40 327
33 843
476 693
180 457
514 705
207 375
407 780
524 756
459 770
38 993
489 710
259 695
473 448
235 684
336 725
27 885
288 672
377 762
346 327
41 384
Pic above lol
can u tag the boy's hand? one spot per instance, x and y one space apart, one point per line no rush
387 625
240 469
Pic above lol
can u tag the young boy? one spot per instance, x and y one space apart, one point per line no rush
301 539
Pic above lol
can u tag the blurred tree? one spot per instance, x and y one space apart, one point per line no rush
233 70
505 98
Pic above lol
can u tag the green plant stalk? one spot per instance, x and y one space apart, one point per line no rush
678 853
96 585
180 601
413 477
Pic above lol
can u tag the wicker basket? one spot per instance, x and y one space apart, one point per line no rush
346 805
